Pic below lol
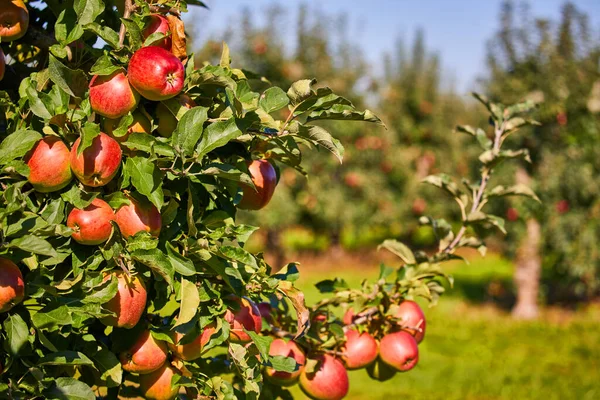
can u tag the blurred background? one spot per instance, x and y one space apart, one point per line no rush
523 322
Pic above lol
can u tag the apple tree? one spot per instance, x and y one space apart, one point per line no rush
123 271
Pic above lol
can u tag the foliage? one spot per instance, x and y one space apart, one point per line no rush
556 65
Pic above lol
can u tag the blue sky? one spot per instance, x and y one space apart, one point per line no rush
456 29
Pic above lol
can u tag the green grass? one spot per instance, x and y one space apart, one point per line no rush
475 351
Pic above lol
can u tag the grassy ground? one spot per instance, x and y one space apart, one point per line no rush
474 350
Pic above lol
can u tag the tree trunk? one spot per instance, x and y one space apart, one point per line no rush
275 250
528 266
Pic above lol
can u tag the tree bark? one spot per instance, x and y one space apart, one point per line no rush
528 267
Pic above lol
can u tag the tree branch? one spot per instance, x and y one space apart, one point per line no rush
129 8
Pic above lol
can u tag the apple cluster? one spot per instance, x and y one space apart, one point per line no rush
382 347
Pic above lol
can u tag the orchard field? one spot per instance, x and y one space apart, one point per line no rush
279 202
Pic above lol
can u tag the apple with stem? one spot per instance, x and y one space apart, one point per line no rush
360 349
138 216
192 350
412 319
14 20
92 225
156 73
329 381
98 164
399 350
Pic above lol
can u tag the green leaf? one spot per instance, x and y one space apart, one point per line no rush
133 33
148 144
445 182
490 159
301 91
73 82
109 366
344 113
17 144
106 33
69 389
190 301
516 190
478 133
88 133
17 334
39 103
182 265
399 249
88 10
226 171
238 254
331 285
157 261
54 212
273 99
66 28
321 137
33 244
78 198
225 57
52 315
263 344
65 358
146 178
189 130
104 66
216 135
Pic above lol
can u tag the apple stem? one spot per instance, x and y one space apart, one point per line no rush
123 267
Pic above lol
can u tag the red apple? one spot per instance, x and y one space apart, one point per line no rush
14 20
111 95
348 317
138 216
380 371
140 124
247 316
145 356
129 303
49 165
359 350
156 73
12 287
265 310
280 347
194 349
399 350
562 206
512 214
99 163
157 385
411 316
264 178
91 225
158 23
328 382
167 122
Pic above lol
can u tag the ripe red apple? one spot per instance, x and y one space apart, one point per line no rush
359 350
138 216
129 303
399 350
380 371
157 385
328 382
156 73
167 122
145 356
91 225
158 23
193 350
14 20
264 178
265 310
99 163
411 315
280 347
562 206
512 214
12 287
49 165
140 124
111 95
247 316
348 317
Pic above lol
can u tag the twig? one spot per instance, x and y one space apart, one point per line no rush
129 8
